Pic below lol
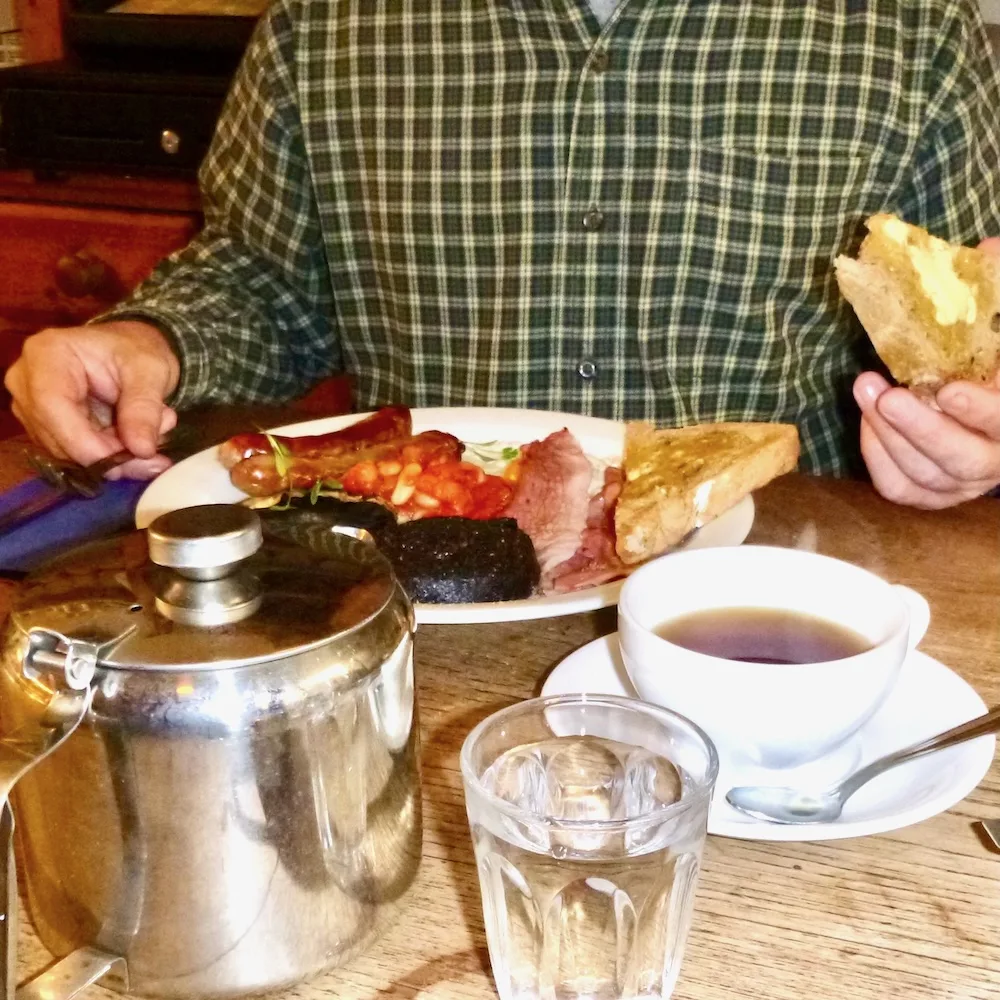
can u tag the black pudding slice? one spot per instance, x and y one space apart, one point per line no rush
457 560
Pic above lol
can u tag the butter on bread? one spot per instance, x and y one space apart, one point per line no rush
677 480
931 308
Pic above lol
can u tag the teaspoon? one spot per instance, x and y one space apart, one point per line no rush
792 805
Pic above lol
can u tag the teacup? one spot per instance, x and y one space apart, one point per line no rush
769 715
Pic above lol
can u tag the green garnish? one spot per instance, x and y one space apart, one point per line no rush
323 484
491 451
281 454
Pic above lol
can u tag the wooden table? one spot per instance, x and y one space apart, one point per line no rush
914 913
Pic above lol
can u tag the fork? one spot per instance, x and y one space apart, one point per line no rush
84 480
87 480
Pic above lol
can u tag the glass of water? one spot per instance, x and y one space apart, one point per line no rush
588 816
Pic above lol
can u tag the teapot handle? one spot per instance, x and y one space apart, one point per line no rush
20 751
69 975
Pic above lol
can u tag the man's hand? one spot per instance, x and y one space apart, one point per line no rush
925 456
86 392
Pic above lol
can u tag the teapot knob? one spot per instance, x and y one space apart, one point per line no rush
203 547
204 542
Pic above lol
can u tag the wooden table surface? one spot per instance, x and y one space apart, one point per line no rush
914 913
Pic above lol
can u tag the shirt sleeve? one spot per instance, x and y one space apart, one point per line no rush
953 189
248 304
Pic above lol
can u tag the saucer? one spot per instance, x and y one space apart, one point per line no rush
928 698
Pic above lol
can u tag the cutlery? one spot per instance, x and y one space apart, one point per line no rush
68 479
992 828
83 480
777 804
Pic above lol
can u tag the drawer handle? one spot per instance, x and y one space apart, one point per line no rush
84 274
170 142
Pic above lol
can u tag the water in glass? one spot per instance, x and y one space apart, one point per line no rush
587 882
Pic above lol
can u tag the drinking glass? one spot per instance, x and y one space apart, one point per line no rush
588 816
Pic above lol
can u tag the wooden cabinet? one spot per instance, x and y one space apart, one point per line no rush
65 264
72 246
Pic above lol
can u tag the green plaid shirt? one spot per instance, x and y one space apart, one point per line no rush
499 202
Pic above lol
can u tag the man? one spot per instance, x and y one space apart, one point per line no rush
624 208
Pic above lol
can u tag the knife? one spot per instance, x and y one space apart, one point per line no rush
56 484
992 828
32 506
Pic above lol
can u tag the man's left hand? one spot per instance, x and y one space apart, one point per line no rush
925 456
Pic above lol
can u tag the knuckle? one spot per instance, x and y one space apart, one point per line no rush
894 488
972 465
12 379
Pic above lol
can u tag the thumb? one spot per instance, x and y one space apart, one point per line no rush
991 245
140 408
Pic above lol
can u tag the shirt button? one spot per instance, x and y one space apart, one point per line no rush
586 370
599 61
593 220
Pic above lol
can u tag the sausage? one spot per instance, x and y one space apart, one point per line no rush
387 424
258 475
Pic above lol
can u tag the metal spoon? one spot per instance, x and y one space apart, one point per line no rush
792 805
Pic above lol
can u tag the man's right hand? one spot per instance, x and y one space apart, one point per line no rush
86 392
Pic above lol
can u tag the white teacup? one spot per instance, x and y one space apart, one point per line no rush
763 714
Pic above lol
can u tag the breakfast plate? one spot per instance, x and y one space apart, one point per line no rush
927 699
202 479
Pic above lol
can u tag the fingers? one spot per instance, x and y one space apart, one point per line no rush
868 386
85 392
140 410
50 400
168 420
141 468
148 468
956 448
925 455
893 482
974 406
991 245
912 463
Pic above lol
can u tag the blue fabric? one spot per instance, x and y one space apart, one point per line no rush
74 521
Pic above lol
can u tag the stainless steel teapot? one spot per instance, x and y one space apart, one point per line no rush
229 798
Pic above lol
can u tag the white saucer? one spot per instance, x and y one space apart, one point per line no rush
928 699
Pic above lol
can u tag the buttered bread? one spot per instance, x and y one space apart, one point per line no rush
931 308
677 480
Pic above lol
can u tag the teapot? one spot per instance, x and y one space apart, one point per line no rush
212 730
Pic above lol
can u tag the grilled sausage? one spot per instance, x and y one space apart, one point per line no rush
387 424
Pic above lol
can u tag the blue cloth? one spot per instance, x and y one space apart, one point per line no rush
74 521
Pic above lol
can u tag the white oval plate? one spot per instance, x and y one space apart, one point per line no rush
928 699
202 479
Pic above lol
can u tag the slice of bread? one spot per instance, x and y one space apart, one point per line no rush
931 308
677 480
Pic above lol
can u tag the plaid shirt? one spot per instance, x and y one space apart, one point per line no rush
499 202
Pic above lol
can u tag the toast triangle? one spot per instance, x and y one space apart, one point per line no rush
930 308
676 480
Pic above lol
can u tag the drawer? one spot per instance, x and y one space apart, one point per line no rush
62 265
68 128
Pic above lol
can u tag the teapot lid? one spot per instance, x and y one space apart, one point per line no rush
207 587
